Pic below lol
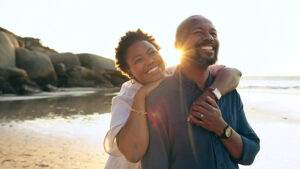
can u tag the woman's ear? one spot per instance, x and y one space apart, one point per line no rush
129 73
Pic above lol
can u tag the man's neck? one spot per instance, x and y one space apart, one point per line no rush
196 73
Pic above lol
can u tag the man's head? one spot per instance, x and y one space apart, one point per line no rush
196 37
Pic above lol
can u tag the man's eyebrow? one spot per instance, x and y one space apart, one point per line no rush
195 28
213 29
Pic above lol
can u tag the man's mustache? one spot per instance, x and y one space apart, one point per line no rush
205 43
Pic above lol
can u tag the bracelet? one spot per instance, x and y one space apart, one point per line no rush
137 111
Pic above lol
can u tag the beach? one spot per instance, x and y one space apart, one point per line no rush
76 140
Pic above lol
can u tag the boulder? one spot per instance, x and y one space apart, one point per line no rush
37 65
44 50
68 59
62 78
96 63
84 77
103 66
13 40
7 51
116 77
15 80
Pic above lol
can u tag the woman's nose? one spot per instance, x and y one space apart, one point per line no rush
150 59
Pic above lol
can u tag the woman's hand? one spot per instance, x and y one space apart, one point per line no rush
148 88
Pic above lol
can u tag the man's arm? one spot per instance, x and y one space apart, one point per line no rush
243 144
251 142
158 149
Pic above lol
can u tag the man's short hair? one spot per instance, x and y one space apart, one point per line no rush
125 42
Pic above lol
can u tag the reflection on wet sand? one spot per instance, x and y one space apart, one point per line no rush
58 132
71 103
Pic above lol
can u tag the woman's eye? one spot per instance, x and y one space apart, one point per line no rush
153 52
138 60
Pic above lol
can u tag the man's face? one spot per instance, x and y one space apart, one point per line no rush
199 42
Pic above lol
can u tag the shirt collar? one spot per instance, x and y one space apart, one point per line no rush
188 83
135 84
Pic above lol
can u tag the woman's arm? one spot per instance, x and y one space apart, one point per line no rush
227 79
133 138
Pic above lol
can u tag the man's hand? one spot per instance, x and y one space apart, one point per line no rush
206 113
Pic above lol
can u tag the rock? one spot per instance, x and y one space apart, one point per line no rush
42 50
13 40
62 78
103 66
7 51
13 80
49 88
96 63
116 77
5 87
68 59
37 65
84 77
28 89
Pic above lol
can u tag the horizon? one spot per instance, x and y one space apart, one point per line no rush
256 37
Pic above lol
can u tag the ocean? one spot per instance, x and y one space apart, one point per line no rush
270 82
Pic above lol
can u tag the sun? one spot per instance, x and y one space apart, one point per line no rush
171 56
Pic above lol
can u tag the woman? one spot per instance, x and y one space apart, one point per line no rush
137 57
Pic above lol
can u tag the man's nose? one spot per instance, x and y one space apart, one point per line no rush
207 37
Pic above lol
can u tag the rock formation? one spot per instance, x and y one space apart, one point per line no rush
26 66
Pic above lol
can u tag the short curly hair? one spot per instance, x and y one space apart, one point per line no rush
125 42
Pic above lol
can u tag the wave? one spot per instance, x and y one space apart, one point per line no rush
270 87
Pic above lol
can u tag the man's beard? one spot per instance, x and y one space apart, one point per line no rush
200 60
203 61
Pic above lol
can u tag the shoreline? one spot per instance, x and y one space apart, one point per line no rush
76 141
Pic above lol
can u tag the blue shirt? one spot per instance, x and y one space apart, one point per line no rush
175 143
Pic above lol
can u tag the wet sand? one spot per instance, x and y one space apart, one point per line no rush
75 141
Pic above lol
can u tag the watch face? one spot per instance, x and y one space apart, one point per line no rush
228 132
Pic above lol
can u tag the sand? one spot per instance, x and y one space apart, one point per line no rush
76 141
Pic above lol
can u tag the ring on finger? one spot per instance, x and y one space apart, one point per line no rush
201 115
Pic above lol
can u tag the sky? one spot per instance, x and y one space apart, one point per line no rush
259 37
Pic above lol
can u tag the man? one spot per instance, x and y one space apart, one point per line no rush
209 134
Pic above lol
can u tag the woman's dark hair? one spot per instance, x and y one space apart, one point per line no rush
125 42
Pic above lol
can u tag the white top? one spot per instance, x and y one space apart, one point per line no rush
120 110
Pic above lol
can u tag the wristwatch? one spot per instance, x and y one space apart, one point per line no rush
217 93
227 132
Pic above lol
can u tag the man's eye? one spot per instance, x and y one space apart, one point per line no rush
198 32
214 34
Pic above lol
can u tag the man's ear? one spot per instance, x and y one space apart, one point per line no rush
177 45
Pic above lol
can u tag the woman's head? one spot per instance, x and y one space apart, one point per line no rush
137 57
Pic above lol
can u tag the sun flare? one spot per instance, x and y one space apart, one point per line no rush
171 56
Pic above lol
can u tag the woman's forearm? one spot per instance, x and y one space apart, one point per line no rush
133 137
227 79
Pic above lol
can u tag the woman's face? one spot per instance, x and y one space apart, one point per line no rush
144 62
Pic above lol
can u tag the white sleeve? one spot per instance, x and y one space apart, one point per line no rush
119 114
